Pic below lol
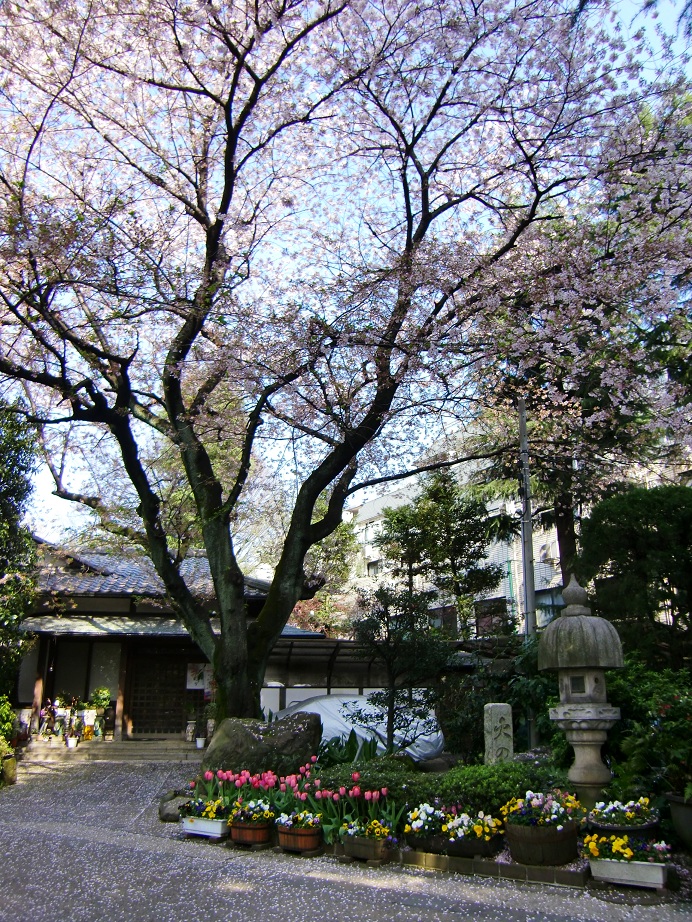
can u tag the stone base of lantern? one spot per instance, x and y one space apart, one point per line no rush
586 726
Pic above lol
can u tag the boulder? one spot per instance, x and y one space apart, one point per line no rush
169 804
282 746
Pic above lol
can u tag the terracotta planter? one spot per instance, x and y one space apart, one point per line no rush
199 826
681 815
364 848
9 770
468 847
631 873
251 833
299 840
542 844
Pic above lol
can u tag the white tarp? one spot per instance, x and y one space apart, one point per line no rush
331 710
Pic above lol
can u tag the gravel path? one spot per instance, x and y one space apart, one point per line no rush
84 844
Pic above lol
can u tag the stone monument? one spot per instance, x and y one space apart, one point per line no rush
499 739
580 646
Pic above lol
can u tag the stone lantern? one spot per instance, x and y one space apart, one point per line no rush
580 646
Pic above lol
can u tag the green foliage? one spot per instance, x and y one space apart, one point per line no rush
651 746
394 630
340 751
100 698
404 783
7 718
17 459
637 546
489 787
443 536
5 750
511 677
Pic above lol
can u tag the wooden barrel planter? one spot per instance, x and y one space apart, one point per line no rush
542 845
466 847
681 815
365 848
251 833
300 840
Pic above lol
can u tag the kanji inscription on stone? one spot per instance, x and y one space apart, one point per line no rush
499 739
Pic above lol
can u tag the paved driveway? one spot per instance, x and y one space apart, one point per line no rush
84 844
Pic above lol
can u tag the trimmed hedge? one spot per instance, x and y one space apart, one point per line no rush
474 787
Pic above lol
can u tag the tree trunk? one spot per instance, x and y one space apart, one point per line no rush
566 534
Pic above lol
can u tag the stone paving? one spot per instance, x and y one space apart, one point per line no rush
84 844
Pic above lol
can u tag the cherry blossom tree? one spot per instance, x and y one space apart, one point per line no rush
283 235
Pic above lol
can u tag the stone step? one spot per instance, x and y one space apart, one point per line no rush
125 751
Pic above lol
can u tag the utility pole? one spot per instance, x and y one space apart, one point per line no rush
527 553
526 527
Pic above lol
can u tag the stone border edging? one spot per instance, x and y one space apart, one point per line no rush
481 867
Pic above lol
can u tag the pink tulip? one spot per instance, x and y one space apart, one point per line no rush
335 796
303 796
192 785
384 792
239 783
313 759
221 775
208 776
282 787
355 776
368 795
355 791
318 795
342 791
317 782
375 795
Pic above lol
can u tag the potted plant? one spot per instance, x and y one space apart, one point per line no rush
367 840
200 734
542 828
251 822
621 859
190 723
100 699
452 831
210 712
202 816
660 750
634 818
300 831
9 762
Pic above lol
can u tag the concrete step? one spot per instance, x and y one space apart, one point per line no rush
110 751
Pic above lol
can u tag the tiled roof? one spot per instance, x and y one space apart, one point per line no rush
97 573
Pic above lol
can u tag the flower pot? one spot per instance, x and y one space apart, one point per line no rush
466 847
251 833
365 848
299 840
200 741
9 770
681 815
631 873
199 826
643 831
542 844
71 742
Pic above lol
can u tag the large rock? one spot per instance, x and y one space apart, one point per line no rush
282 746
